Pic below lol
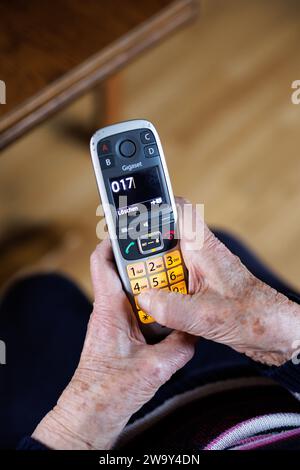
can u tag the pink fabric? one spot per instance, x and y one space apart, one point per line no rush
269 439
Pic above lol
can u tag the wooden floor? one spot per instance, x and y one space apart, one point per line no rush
219 93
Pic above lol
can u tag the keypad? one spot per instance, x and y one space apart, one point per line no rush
159 272
136 145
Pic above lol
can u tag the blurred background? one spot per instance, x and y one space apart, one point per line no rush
219 93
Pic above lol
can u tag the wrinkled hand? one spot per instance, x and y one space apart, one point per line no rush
117 373
227 304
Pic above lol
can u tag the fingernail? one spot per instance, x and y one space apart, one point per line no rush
144 300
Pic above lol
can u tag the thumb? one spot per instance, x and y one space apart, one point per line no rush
171 309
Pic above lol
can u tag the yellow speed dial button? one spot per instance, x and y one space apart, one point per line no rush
176 274
180 287
172 259
145 318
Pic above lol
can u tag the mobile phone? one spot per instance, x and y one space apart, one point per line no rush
140 212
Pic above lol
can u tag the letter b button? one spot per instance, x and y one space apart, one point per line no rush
107 162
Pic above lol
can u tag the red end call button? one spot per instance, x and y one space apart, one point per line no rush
104 147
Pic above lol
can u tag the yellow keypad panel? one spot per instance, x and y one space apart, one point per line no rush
172 259
180 287
136 270
161 272
159 280
155 265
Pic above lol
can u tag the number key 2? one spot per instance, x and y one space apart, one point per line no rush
154 265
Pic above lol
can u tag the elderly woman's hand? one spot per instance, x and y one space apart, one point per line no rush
117 373
227 304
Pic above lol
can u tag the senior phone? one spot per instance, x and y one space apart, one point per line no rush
140 213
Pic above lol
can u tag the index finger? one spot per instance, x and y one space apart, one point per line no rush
103 271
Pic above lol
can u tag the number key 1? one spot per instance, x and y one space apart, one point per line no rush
136 270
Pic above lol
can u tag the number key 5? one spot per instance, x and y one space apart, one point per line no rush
159 280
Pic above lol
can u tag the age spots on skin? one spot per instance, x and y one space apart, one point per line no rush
84 386
258 328
99 407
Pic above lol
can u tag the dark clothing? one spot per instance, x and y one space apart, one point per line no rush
43 323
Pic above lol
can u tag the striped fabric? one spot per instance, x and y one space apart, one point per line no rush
257 432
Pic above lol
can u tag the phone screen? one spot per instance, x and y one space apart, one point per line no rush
140 188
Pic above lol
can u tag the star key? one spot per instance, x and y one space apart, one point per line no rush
145 318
